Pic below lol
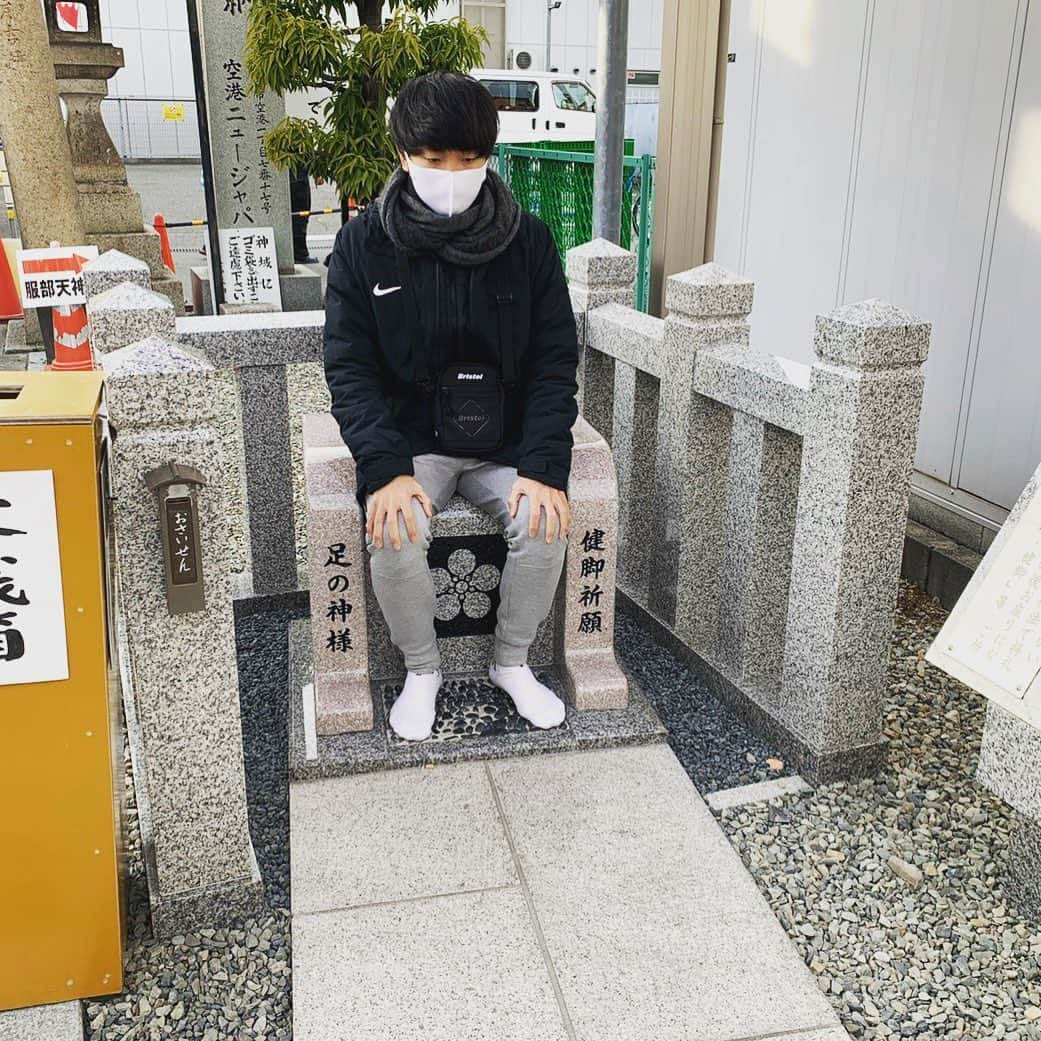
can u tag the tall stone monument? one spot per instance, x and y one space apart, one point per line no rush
250 192
36 148
110 209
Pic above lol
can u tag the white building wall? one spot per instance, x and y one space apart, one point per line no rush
867 153
573 43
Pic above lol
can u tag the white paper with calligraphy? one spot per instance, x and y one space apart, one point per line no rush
250 266
32 616
992 641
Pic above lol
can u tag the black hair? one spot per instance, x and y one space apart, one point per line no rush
443 111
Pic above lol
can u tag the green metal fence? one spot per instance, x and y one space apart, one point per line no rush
554 180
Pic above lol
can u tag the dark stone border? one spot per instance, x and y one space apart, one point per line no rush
814 767
293 601
937 564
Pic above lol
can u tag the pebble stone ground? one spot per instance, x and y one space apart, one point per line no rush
945 960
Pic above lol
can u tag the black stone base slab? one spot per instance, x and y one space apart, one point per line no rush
475 721
816 768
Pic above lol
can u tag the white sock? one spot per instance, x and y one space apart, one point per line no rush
534 701
412 714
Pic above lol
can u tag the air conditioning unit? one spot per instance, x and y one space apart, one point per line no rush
523 60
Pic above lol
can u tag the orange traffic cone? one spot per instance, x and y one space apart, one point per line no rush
71 339
159 224
10 302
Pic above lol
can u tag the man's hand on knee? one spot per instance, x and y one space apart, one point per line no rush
390 500
541 497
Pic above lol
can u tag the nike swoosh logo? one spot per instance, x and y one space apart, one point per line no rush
376 291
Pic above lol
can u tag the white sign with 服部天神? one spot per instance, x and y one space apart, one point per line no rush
33 648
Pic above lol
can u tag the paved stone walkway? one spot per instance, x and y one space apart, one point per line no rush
588 896
60 1022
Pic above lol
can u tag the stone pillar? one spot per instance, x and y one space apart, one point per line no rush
599 272
126 313
183 711
122 310
336 567
112 268
705 306
110 208
249 191
585 635
35 144
858 447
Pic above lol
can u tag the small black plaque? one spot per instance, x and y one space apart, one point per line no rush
182 544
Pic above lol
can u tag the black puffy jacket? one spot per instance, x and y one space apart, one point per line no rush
384 416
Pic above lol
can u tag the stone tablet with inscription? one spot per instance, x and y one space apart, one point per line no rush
992 639
250 192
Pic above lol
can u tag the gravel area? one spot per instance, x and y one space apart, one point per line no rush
715 747
230 984
890 887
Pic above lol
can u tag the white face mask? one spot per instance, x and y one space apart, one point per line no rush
447 191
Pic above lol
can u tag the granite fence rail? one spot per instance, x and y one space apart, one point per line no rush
276 358
762 503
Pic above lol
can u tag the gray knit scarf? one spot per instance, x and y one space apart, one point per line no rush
475 236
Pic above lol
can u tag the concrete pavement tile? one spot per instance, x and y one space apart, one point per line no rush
652 923
60 1022
620 814
395 835
636 964
453 968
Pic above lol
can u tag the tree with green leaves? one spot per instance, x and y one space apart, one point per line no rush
303 44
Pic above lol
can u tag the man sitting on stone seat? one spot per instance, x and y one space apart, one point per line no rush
444 269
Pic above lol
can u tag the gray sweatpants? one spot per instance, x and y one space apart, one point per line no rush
409 595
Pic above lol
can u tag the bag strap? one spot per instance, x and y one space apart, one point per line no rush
424 376
501 274
503 283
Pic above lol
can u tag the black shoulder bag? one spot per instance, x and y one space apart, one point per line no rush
469 397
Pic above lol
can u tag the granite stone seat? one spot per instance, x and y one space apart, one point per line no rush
351 644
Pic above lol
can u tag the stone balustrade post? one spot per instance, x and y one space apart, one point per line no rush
704 306
858 448
165 405
127 313
123 309
112 268
598 272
